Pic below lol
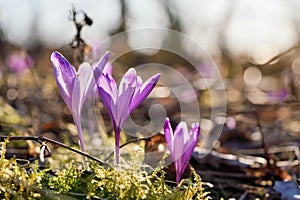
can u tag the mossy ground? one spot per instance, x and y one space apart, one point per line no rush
71 181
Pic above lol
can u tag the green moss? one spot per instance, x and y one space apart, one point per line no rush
72 182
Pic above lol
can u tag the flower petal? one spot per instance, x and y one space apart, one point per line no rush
108 91
64 74
109 105
168 134
87 82
181 144
128 80
108 84
76 102
144 91
101 66
108 69
123 104
84 84
193 137
181 131
179 137
193 140
190 145
195 132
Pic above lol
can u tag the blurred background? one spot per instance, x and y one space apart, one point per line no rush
240 36
252 28
254 44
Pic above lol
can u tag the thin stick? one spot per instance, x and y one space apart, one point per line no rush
41 139
263 139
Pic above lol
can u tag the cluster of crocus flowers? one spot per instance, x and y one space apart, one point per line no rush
75 87
120 102
181 144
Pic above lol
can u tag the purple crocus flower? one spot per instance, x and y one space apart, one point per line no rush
181 144
120 102
19 62
278 96
74 86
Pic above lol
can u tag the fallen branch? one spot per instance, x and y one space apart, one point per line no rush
42 140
